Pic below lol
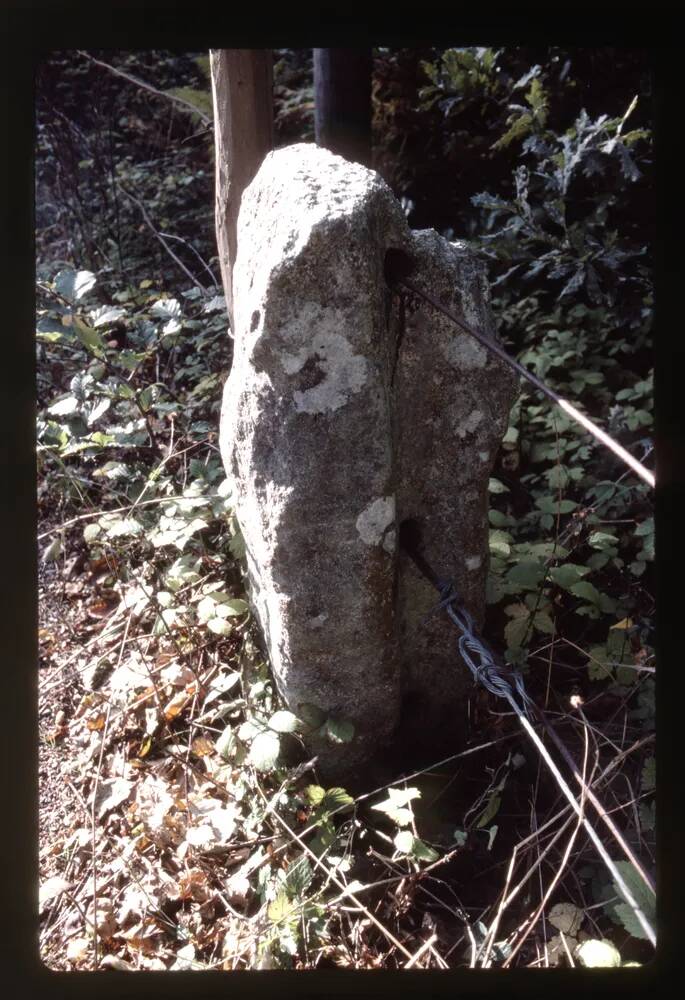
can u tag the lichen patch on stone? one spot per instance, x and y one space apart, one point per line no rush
344 372
464 351
469 425
374 520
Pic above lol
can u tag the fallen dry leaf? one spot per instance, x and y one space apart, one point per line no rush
176 705
77 949
114 962
50 889
202 747
111 793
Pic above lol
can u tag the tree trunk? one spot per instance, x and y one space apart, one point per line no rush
342 109
242 81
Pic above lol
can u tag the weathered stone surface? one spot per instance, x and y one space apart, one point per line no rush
341 418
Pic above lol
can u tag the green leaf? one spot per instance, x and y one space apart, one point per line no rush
315 794
281 910
495 486
338 730
597 668
236 607
490 811
106 314
90 532
544 623
219 626
422 852
200 99
284 722
404 841
648 780
73 285
645 528
642 896
249 729
335 798
492 833
568 575
587 592
298 877
311 714
64 407
324 839
226 743
647 813
550 505
498 519
394 805
566 917
121 527
515 632
603 541
499 542
53 551
264 751
596 954
89 337
527 574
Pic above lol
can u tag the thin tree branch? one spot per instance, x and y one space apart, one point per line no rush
186 105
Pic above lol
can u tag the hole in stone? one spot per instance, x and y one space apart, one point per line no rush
410 535
397 265
254 321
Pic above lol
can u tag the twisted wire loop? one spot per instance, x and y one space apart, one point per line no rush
497 679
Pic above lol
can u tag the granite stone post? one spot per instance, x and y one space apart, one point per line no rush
349 410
